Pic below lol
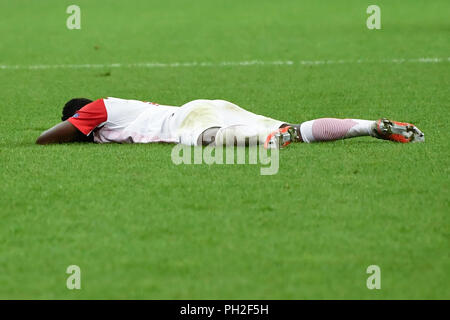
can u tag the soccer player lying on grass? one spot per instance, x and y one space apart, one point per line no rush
205 122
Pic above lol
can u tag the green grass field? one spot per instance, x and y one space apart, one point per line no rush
141 227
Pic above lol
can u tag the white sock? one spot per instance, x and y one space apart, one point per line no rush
329 129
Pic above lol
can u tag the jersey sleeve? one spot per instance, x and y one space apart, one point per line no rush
89 117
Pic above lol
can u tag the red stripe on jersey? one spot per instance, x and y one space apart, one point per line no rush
89 117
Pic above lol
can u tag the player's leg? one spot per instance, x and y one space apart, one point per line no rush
325 129
202 122
238 126
330 129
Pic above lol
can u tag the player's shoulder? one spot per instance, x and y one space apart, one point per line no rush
118 103
121 101
115 100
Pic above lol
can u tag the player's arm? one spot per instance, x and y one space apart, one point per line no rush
61 133
77 128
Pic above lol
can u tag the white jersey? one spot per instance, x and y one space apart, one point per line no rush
133 121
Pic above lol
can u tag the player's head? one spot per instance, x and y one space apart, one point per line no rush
72 106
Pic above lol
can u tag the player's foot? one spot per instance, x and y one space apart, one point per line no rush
397 131
282 137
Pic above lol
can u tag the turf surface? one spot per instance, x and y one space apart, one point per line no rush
141 227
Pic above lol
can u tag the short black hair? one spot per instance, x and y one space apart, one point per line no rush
72 106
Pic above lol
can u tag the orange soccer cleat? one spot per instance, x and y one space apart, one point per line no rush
283 137
397 131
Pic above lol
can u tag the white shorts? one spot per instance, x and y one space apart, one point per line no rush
196 116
